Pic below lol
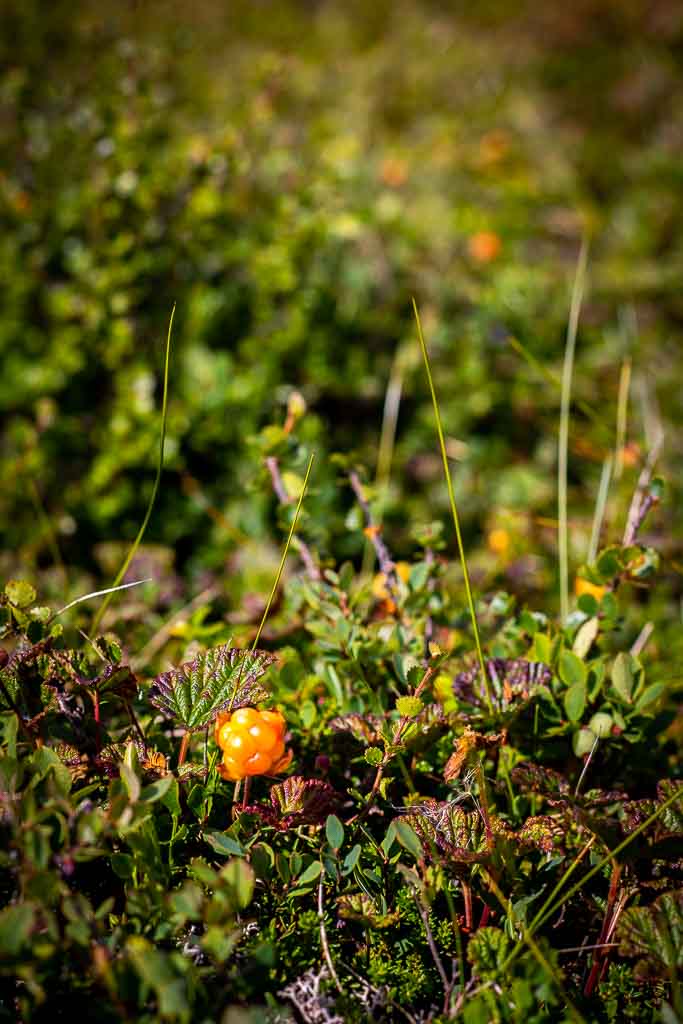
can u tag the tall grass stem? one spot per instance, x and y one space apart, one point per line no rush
160 463
454 511
563 440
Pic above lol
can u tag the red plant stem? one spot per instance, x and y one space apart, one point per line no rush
600 956
467 896
485 914
245 792
184 744
96 709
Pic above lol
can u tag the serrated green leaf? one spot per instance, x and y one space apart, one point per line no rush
575 701
409 707
20 593
374 756
655 933
195 693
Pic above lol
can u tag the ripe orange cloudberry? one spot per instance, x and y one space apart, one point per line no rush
253 743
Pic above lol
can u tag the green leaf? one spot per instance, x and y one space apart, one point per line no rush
601 724
334 830
572 669
157 790
223 844
122 865
409 707
487 950
155 969
310 874
623 676
575 701
649 695
655 933
130 773
20 593
352 858
408 839
196 692
171 798
583 742
542 648
585 637
16 924
374 756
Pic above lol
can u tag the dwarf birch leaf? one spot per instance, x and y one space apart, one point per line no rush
197 691
586 634
623 679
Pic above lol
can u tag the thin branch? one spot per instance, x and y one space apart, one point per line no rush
424 914
642 639
642 500
285 499
372 532
323 933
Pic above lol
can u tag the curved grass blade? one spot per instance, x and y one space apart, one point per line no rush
160 462
563 438
454 511
97 593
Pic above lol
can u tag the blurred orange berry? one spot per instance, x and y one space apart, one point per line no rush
379 583
498 541
252 743
582 586
393 172
484 246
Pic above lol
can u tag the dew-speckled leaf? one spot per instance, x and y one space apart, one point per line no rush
197 691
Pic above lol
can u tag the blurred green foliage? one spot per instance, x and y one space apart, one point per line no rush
290 175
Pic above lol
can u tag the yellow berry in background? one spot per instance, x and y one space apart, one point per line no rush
498 541
582 586
379 583
252 743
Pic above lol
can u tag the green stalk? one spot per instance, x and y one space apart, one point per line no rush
563 440
622 414
284 554
454 511
600 505
160 462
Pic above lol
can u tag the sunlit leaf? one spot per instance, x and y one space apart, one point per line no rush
197 691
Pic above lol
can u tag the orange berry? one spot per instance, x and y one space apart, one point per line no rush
231 769
275 721
484 246
499 541
266 739
245 717
257 764
239 745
